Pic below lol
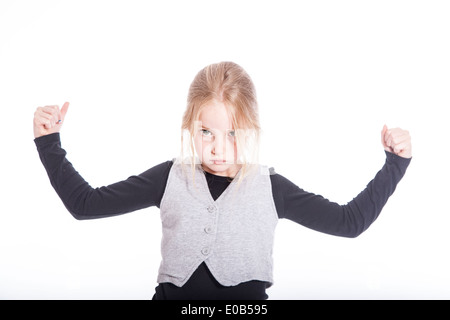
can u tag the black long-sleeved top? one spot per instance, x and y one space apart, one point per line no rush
146 190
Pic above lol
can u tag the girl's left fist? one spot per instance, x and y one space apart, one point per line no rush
397 141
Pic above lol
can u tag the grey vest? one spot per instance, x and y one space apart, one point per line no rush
232 235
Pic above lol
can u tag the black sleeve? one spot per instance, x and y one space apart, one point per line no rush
350 220
85 202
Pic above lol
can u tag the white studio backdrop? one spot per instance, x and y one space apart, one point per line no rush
329 75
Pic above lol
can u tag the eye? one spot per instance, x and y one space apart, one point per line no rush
206 133
231 133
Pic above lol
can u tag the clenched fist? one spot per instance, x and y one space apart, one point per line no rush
397 141
49 119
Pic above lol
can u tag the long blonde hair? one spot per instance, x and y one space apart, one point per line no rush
229 83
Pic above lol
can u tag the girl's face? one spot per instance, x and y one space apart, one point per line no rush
215 141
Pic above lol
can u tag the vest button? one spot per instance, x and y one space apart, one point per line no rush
205 251
209 230
211 209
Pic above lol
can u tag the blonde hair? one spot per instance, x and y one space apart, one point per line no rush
228 83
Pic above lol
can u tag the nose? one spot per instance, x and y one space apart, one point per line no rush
219 147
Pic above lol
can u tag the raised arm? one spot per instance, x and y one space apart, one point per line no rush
83 201
349 220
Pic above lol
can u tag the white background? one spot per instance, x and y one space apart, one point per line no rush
328 74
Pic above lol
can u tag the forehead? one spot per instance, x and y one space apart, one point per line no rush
215 115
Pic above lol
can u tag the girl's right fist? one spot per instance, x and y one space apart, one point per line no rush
49 119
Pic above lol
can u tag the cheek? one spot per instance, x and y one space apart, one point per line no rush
231 150
201 145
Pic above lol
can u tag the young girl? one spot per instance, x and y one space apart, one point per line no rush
219 207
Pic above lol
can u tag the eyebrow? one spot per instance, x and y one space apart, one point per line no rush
205 127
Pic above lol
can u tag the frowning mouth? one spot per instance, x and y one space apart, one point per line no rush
218 161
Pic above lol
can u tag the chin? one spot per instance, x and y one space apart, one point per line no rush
218 168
